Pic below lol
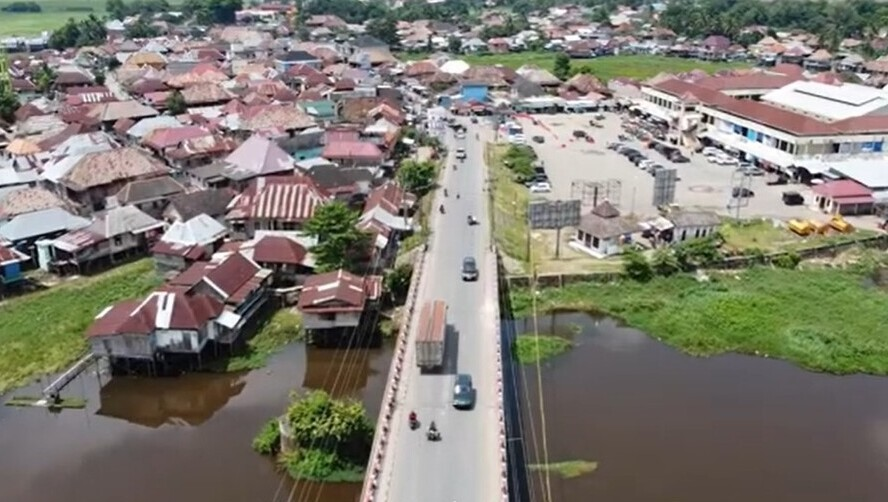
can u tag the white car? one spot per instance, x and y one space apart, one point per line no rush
728 161
540 187
644 164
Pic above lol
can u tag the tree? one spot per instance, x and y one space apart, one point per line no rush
561 68
664 262
141 29
44 78
9 103
417 177
397 282
340 243
175 103
454 45
330 435
385 29
636 265
99 77
116 9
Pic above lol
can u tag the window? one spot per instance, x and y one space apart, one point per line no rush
328 317
118 240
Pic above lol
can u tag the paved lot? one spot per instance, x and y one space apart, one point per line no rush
701 185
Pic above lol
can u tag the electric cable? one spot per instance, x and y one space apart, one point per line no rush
542 407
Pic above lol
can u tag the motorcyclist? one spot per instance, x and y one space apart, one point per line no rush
433 428
457 195
441 208
445 192
412 417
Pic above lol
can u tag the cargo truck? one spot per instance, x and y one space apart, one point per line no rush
430 335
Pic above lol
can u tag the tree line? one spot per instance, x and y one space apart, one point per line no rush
830 21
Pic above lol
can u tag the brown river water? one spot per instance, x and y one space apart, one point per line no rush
665 426
175 439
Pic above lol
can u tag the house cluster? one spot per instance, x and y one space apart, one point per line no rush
218 191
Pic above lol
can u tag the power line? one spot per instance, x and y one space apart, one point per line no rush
536 333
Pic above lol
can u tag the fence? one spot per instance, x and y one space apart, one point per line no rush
728 263
389 397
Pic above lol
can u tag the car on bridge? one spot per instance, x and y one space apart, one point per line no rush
463 392
469 269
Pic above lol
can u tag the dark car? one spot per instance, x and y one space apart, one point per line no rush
793 199
538 139
679 158
463 392
469 269
474 120
579 133
741 192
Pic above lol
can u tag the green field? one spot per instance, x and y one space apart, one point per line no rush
43 332
55 14
605 68
829 320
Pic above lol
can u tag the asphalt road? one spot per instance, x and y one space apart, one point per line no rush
464 465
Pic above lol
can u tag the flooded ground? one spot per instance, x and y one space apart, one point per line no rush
665 426
178 439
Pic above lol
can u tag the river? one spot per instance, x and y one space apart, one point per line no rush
665 426
178 439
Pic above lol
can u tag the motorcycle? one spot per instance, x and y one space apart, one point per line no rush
471 220
441 208
433 434
414 423
445 192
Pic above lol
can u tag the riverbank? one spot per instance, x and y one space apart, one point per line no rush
42 332
828 320
283 327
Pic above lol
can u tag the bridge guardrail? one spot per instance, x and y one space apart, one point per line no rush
389 397
502 440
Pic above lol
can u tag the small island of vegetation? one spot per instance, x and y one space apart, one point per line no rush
325 440
568 469
530 348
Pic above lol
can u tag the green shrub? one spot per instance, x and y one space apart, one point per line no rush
789 260
268 441
636 266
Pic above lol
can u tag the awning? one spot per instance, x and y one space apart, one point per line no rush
751 148
228 319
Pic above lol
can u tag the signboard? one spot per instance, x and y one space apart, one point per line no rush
664 186
553 214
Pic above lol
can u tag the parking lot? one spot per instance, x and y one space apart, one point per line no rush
702 185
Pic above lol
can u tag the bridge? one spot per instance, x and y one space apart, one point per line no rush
471 463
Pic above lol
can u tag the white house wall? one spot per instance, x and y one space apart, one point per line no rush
342 320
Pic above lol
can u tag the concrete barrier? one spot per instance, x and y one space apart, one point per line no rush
390 395
502 440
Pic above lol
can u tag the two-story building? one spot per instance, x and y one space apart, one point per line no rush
274 203
336 304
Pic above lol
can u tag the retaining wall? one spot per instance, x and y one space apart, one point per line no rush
501 437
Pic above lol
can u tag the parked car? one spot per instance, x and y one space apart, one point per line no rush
540 187
678 158
538 139
461 153
579 133
793 199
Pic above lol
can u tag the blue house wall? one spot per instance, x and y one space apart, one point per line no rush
11 272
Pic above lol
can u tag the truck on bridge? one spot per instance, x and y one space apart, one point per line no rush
430 336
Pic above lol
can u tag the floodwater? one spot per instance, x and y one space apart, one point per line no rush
176 439
665 426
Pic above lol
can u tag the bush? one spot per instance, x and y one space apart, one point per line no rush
789 260
268 441
397 282
519 159
664 262
636 266
21 7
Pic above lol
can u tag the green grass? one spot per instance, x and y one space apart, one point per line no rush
43 332
285 326
568 469
764 236
72 403
55 14
826 319
637 67
509 205
530 349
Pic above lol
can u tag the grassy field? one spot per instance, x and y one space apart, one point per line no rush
607 67
765 236
55 14
822 319
43 332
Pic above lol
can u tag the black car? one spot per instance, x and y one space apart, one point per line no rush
793 199
741 192
463 392
679 159
579 133
469 269
538 139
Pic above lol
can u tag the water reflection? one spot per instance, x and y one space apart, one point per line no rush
341 372
179 439
152 402
666 426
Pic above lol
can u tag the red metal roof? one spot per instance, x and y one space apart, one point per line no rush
277 249
338 291
352 150
160 310
843 189
230 275
283 198
9 255
390 197
167 137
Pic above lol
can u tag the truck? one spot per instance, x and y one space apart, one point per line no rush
430 335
